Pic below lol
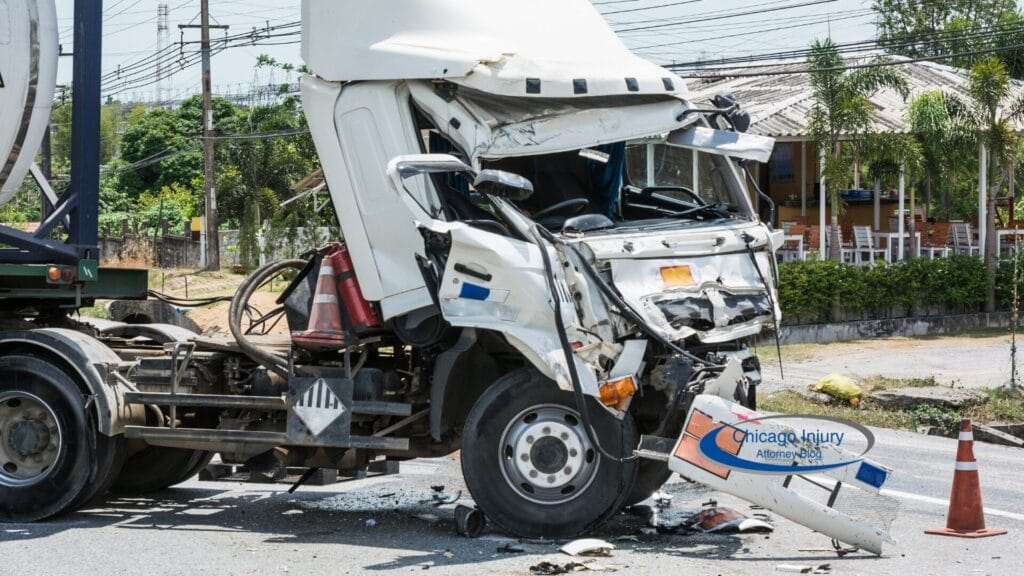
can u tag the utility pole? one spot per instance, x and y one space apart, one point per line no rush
210 184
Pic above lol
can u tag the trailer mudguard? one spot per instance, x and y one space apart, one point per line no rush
84 357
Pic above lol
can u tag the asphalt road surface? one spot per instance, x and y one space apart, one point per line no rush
390 525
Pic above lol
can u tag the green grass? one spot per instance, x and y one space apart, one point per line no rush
789 402
1002 407
885 383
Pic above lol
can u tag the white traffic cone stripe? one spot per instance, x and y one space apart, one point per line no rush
966 466
967 436
325 299
326 270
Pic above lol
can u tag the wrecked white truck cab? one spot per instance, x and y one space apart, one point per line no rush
587 230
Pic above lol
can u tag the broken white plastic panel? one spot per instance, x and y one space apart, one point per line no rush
768 490
28 68
723 142
533 48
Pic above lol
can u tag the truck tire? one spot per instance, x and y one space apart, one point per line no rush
650 477
52 459
155 468
530 466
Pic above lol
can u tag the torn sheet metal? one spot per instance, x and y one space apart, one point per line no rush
722 519
768 491
524 48
724 142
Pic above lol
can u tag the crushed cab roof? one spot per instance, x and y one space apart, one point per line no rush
526 48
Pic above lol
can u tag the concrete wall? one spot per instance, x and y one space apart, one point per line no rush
908 327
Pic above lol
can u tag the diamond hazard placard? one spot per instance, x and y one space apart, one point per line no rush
320 410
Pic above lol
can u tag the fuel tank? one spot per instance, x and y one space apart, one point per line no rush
28 74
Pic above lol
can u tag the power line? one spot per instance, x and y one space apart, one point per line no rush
720 16
881 64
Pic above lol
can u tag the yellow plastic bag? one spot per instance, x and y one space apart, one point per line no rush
839 386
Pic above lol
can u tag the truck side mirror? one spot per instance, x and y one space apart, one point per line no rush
504 185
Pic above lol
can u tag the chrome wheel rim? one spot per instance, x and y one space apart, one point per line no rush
546 456
30 439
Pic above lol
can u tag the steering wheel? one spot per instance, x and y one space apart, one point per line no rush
695 198
571 207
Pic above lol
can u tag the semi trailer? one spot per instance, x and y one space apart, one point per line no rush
549 255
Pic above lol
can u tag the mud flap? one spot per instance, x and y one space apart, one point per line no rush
773 491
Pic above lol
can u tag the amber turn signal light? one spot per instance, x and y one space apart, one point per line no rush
616 393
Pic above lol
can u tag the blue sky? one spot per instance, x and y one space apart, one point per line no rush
721 29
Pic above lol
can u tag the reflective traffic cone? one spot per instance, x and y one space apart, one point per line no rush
325 330
966 517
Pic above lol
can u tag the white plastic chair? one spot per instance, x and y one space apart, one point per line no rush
963 239
864 244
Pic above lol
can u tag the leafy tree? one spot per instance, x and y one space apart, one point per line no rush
929 28
842 112
248 242
988 115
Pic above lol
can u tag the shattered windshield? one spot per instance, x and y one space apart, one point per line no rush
670 171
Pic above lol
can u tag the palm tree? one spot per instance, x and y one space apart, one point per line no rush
842 112
930 123
989 116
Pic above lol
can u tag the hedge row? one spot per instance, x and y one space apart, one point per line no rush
827 291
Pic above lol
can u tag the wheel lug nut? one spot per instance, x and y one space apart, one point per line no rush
568 470
546 430
533 473
551 479
529 439
573 452
524 458
565 435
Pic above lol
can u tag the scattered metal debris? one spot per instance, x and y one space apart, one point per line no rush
721 519
588 547
509 548
443 499
548 567
804 568
370 522
439 488
469 522
662 499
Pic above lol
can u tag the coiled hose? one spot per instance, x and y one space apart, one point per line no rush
238 304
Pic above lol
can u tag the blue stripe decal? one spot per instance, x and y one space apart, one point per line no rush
474 292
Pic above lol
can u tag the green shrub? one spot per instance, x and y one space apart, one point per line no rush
813 291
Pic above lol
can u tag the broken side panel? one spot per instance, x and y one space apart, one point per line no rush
773 491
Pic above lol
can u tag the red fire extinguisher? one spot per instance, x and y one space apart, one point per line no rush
360 313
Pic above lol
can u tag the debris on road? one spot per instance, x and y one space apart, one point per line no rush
443 499
588 547
510 548
547 568
721 519
804 568
662 499
839 387
469 522
370 522
437 488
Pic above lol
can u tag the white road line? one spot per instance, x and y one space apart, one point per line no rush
945 503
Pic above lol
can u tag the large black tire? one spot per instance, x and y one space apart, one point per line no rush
155 468
44 423
650 477
523 415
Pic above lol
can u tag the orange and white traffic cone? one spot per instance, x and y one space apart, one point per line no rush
325 330
966 517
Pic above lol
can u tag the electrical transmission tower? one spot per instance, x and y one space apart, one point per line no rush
162 39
